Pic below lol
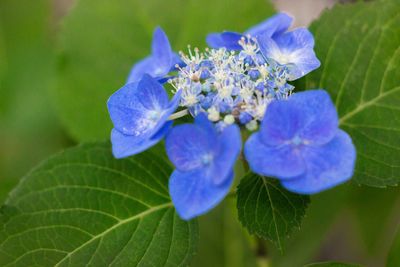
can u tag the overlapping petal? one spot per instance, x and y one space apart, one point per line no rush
300 144
204 161
294 48
278 161
138 111
320 116
272 27
159 63
327 166
194 193
189 146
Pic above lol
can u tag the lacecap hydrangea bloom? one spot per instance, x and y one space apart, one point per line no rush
241 83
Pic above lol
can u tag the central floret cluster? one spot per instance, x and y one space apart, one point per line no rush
231 86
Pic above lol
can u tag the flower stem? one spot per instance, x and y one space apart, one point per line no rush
178 114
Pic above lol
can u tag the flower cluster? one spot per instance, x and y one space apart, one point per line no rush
231 86
240 82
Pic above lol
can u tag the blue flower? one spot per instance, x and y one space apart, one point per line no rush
159 63
139 112
294 49
271 27
204 161
299 142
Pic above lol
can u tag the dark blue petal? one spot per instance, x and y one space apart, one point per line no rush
127 145
283 161
224 162
272 27
320 116
327 166
191 146
194 193
229 40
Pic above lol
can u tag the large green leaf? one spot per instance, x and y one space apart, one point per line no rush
268 210
393 259
359 48
102 39
85 208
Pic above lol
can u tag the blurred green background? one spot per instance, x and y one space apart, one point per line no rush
349 223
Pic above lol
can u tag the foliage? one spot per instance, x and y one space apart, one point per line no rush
83 207
358 46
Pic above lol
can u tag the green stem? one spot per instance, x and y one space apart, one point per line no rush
178 114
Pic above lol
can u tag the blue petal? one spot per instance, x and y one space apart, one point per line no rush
139 112
310 116
162 51
229 40
191 146
132 107
320 116
159 63
194 193
283 161
282 122
152 94
272 27
205 123
224 162
294 49
127 145
296 39
327 166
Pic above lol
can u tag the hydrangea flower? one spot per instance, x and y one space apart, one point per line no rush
204 161
139 112
300 143
159 63
243 80
271 27
295 49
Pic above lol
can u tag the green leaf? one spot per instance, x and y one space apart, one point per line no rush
223 241
359 48
85 208
268 210
332 264
102 39
393 259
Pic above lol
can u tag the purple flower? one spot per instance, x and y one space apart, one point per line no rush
139 112
295 49
299 142
159 63
204 161
271 27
